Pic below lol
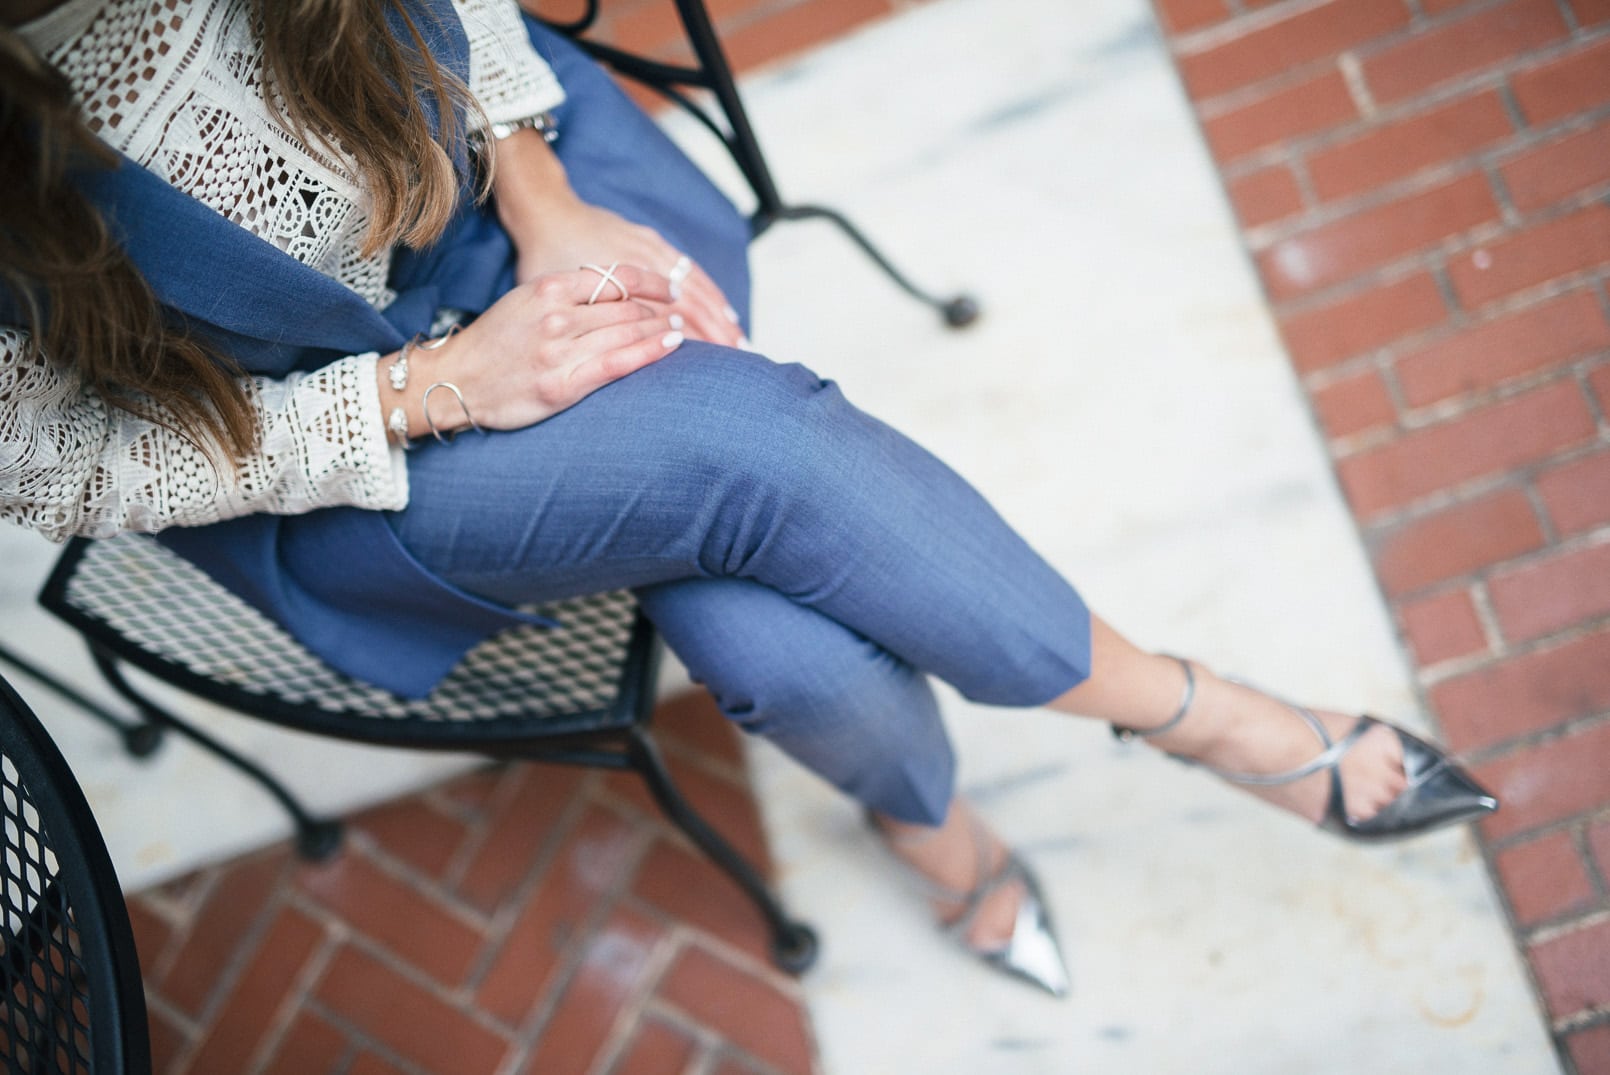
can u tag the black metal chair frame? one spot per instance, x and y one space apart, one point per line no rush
73 1000
714 74
616 737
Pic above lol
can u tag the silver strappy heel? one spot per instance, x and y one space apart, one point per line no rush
1438 793
1031 953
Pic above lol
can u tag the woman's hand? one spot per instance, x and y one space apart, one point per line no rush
554 231
540 349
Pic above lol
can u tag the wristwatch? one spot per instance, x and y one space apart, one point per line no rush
542 122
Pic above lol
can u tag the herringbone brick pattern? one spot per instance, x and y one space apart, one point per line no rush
1424 186
525 918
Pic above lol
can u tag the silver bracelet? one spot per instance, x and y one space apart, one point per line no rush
397 426
543 123
438 342
453 388
397 372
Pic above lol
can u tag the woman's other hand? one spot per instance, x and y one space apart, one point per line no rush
540 349
555 231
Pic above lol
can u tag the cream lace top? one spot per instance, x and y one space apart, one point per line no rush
176 86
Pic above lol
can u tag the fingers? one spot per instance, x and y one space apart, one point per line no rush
706 313
589 287
709 315
618 350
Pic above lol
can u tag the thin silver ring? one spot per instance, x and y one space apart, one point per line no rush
606 276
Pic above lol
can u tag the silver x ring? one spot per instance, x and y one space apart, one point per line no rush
606 276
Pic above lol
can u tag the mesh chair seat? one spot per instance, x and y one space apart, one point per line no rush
71 1000
160 612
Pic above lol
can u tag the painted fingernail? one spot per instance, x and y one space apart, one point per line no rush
732 315
676 321
671 340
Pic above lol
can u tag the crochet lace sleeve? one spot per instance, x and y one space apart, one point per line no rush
71 464
507 76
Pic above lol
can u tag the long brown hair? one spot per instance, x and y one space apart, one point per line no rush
337 76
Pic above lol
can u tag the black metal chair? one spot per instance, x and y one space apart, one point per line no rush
72 1001
713 73
579 694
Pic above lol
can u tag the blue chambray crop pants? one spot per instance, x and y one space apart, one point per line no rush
810 565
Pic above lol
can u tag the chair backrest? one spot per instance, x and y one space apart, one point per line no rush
72 1001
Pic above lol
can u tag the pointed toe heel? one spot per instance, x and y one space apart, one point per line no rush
1031 954
1438 793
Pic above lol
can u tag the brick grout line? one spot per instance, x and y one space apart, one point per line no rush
1597 879
713 1046
542 1012
1572 26
1386 522
630 1017
1250 93
1587 921
1528 741
180 914
477 825
507 786
1500 648
460 998
1352 70
731 953
506 917
703 760
358 1041
1195 42
301 990
1485 160
438 893
190 1028
230 974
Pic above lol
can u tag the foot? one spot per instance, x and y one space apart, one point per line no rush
956 858
1235 727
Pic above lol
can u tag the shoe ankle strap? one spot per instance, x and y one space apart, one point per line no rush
1124 735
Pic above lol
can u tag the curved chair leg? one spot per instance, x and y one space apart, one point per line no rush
794 944
140 737
959 311
316 838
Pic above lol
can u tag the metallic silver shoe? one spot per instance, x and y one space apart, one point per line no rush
1031 953
1438 792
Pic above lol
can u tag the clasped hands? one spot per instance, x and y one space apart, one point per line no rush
559 336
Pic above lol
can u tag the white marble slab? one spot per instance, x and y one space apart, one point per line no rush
1126 403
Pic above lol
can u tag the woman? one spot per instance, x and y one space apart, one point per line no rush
260 331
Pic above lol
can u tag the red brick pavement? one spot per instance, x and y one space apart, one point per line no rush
520 919
1424 188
